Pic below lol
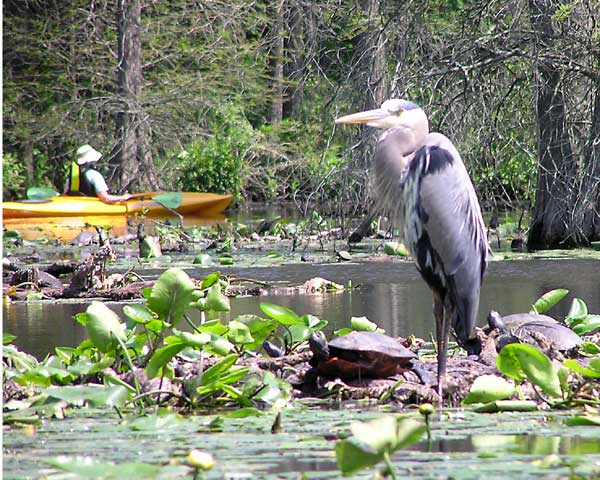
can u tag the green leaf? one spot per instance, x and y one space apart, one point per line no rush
352 455
507 406
164 420
40 193
363 324
213 326
216 301
161 357
203 259
88 467
213 373
170 200
371 440
7 338
548 300
577 313
171 295
150 247
590 348
245 413
593 371
12 234
84 366
104 327
588 325
585 420
96 395
138 313
225 260
519 362
259 328
239 334
396 248
210 280
218 345
44 376
488 388
193 339
283 315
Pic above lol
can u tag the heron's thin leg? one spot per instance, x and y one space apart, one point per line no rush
442 344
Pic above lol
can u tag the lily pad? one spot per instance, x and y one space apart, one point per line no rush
524 362
488 388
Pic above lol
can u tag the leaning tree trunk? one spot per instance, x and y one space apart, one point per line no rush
133 159
552 222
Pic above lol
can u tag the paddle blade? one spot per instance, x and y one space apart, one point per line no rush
40 193
170 200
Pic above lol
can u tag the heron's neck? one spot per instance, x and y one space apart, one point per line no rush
411 133
407 139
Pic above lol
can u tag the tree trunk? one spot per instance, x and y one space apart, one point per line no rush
277 66
133 157
295 68
591 184
552 223
374 55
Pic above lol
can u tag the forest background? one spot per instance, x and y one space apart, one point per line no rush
240 96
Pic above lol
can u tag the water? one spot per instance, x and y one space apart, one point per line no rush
392 294
464 445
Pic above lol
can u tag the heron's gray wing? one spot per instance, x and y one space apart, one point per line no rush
450 249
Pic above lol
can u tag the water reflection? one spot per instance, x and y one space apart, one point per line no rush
391 294
523 443
66 229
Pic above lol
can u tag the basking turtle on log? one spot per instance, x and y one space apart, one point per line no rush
363 355
538 330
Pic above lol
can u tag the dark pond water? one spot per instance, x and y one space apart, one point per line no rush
392 294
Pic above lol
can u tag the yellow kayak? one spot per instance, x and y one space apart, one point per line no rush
192 203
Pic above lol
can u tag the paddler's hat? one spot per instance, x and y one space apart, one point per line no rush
87 154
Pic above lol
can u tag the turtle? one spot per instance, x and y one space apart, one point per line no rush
359 354
533 329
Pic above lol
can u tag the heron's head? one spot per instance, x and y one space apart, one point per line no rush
393 113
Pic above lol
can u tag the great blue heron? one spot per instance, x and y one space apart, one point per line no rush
423 185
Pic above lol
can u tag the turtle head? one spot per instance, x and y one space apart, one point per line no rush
495 321
318 346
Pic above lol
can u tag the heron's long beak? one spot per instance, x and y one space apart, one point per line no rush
367 117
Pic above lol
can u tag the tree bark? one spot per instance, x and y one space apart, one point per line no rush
133 157
277 67
552 223
295 68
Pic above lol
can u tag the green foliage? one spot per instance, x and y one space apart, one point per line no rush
37 193
149 341
13 176
88 467
376 440
218 163
524 362
548 300
580 320
103 325
489 388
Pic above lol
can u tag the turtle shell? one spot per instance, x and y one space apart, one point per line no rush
534 329
366 354
561 337
517 319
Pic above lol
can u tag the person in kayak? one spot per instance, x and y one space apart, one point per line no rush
84 180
